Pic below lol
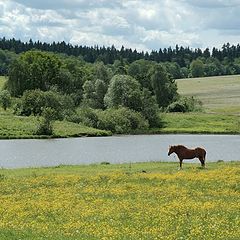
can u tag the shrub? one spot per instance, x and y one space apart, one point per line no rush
185 104
121 120
34 101
5 99
45 123
87 116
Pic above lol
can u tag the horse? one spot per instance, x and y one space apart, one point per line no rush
185 153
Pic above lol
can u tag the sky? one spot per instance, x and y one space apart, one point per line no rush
144 25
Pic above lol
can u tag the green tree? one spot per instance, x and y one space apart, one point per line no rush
150 108
102 72
5 99
124 91
139 70
164 88
34 101
100 92
33 70
45 123
89 94
197 68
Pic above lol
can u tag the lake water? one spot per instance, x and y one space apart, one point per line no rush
115 149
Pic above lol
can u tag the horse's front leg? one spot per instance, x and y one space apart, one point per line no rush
180 163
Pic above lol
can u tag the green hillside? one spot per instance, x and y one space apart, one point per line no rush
220 94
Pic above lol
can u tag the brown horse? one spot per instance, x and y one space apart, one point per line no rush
185 153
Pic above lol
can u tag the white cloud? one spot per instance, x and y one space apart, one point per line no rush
140 24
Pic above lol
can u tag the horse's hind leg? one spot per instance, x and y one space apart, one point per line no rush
202 160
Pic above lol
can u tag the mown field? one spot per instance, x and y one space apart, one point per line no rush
121 202
220 94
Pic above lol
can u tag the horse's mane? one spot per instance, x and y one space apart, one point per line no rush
180 147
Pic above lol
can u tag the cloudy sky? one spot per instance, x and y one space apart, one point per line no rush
140 24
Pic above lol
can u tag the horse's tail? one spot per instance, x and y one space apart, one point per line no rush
204 155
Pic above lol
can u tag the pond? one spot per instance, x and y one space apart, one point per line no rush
115 149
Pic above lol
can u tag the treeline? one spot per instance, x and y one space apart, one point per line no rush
181 55
180 62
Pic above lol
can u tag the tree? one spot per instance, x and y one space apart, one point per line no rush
100 92
173 69
33 70
197 68
150 109
45 123
34 101
139 70
164 88
5 99
124 91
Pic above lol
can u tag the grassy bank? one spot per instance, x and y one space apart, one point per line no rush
121 202
200 123
12 126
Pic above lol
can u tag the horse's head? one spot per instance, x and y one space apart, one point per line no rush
171 150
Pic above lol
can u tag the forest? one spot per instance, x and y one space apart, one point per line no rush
116 90
224 61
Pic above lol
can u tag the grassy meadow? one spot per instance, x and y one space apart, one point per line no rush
121 202
219 94
12 126
200 123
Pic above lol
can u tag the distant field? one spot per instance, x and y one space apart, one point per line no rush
219 94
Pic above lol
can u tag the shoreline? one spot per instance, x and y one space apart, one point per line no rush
160 132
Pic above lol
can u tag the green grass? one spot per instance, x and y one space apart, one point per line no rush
121 202
220 94
200 123
12 126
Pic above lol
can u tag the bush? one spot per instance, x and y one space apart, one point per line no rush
185 104
34 101
121 120
5 99
45 123
87 116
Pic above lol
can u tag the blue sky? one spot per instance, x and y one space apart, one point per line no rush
142 24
